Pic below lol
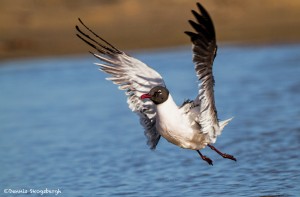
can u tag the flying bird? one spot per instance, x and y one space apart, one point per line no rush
193 125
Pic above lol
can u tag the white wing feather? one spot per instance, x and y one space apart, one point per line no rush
131 75
205 50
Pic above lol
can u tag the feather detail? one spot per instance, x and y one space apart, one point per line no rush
131 75
204 53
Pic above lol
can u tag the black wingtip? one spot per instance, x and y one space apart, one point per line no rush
202 9
193 36
189 33
196 14
92 53
203 25
77 28
79 19
109 46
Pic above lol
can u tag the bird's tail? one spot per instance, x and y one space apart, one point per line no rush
223 123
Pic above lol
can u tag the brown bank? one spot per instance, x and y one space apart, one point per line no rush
35 28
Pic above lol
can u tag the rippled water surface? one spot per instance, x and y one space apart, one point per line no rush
62 126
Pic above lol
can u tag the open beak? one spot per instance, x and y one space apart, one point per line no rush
144 96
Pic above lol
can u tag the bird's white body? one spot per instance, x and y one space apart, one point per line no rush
179 127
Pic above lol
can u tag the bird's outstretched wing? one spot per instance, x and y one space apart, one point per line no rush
131 75
204 52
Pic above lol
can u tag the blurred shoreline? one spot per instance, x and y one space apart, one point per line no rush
35 28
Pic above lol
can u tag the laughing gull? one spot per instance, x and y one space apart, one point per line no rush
193 125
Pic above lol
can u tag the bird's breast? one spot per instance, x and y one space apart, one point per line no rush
176 127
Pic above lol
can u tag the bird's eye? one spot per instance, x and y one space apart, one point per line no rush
159 91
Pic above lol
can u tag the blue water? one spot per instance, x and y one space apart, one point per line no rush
62 126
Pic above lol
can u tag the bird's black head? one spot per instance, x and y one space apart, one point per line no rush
158 95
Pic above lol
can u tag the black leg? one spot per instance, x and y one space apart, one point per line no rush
208 160
224 155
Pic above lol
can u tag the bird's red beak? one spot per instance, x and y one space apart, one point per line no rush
144 96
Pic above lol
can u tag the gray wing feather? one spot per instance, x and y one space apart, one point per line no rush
131 75
204 52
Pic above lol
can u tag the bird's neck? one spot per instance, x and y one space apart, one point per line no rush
169 106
